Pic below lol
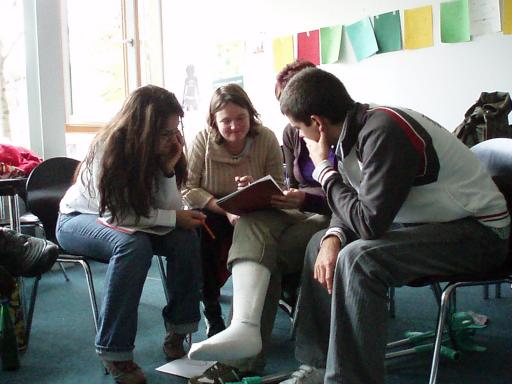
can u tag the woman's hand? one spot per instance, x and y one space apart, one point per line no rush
233 219
243 181
189 219
292 199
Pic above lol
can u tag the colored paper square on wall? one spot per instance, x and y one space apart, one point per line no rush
507 17
418 28
308 46
455 21
484 16
330 44
282 48
362 38
388 31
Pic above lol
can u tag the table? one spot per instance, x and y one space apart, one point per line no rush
14 189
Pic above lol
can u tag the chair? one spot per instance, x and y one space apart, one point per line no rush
496 155
46 186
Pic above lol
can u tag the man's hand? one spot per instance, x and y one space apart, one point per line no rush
292 199
318 151
326 262
233 219
189 219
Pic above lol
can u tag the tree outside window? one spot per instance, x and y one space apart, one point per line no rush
13 89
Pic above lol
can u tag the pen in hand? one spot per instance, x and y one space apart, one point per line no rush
208 229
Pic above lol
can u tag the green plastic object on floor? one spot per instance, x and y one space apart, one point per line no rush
8 343
268 379
457 338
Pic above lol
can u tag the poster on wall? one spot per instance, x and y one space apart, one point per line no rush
388 31
362 38
229 63
455 21
282 48
485 16
418 28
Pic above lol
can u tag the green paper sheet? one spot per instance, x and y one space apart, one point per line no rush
330 42
362 38
455 21
388 31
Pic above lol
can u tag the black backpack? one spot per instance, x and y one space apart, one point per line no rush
486 119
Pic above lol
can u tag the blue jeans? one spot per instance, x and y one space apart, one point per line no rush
129 258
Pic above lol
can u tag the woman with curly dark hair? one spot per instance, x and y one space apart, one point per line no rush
126 206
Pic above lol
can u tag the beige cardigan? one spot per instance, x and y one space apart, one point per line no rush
212 169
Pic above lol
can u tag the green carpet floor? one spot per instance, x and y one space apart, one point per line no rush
61 349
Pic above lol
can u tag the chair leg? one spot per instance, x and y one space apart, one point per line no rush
163 277
295 314
92 292
63 270
498 291
391 306
437 291
486 291
30 313
90 287
443 312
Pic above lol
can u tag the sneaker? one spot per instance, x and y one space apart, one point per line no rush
218 373
26 256
306 375
125 372
213 318
173 346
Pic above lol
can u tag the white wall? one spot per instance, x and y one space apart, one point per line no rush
441 81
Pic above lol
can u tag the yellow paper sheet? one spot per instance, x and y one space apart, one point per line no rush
282 48
507 17
418 27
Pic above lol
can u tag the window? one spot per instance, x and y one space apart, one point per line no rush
232 50
108 58
97 83
13 87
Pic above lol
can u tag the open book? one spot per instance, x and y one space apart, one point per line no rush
253 197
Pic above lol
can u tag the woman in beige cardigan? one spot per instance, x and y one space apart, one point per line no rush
231 152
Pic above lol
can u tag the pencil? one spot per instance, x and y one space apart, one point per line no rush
210 232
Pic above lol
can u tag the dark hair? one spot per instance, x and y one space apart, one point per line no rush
290 70
313 91
231 93
129 164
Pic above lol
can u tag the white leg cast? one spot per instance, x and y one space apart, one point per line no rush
242 338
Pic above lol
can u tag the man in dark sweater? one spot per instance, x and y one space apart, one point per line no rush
408 200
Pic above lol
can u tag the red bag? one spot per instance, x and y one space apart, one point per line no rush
16 161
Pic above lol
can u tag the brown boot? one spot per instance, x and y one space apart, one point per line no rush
173 345
125 372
